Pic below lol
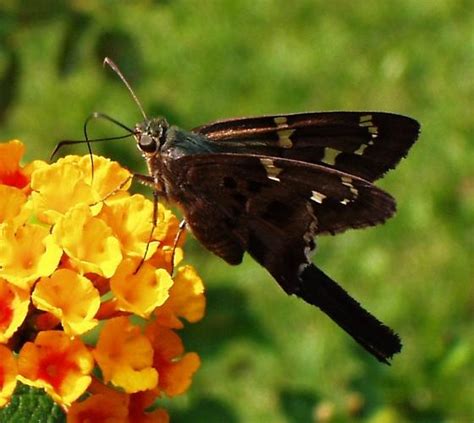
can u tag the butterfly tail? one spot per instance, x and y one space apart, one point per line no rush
320 290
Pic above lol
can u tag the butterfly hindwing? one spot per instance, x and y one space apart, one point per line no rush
271 208
364 144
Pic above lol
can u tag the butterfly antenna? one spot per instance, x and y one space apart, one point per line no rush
115 68
63 143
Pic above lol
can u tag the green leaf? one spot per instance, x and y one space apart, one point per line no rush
31 405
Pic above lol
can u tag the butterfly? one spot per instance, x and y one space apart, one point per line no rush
269 185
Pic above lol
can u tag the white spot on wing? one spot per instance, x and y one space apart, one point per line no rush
318 197
280 120
361 149
308 238
365 121
272 170
284 140
330 156
347 181
284 133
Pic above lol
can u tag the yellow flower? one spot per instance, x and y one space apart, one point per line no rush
57 363
125 356
8 374
140 292
88 241
76 244
71 298
14 304
53 200
186 300
131 219
175 370
109 176
27 253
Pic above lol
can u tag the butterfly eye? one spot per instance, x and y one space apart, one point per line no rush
147 143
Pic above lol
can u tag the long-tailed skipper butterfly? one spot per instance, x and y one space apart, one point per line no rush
269 185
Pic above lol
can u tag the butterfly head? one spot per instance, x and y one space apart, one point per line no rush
151 134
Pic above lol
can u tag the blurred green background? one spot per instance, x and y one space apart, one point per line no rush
268 357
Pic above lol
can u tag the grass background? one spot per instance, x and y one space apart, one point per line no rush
268 357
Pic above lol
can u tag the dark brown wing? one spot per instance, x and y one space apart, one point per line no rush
365 144
271 207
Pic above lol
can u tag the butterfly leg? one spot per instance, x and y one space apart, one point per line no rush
150 182
181 228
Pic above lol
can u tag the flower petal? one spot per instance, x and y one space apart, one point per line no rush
125 356
27 253
109 176
57 363
88 241
8 374
99 408
13 200
174 368
14 303
131 219
11 173
186 299
140 292
52 199
70 297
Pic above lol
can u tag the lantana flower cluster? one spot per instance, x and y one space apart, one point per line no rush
90 302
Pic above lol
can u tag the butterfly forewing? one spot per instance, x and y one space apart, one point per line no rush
364 144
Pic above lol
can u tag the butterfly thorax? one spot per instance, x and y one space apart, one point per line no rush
155 137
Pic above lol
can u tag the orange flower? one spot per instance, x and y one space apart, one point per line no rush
186 300
88 241
162 257
57 363
8 374
71 298
141 401
12 203
11 173
175 369
108 405
99 408
125 356
27 253
140 292
14 304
